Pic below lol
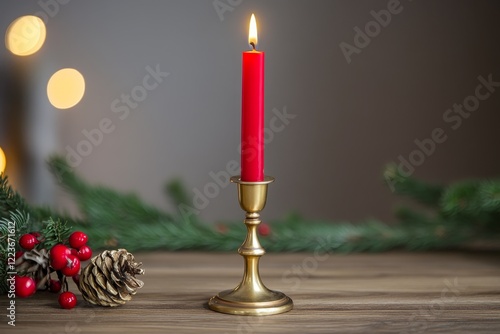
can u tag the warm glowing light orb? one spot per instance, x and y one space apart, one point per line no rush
3 161
66 88
25 35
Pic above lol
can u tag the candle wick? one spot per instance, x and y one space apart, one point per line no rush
253 45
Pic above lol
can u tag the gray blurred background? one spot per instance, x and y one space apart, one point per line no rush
351 119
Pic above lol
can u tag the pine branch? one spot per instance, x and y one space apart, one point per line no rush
457 214
161 231
489 195
460 200
412 217
19 222
54 232
369 236
176 192
10 200
103 206
427 194
11 229
473 201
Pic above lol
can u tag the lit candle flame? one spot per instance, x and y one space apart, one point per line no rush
252 33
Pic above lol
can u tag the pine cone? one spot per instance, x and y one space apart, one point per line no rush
35 264
109 279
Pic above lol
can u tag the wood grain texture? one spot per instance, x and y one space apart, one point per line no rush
360 293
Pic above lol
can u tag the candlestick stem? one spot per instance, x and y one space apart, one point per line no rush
251 296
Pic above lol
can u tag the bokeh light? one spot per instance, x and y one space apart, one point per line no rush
3 161
25 35
65 88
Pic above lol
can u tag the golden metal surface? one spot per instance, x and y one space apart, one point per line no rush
251 296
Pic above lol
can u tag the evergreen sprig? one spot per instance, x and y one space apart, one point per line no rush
10 200
11 229
18 222
457 214
402 184
54 232
115 219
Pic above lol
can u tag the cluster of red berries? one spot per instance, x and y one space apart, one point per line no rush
66 261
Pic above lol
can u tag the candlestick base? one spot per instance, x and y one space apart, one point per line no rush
251 296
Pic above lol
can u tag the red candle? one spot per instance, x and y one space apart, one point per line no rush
252 111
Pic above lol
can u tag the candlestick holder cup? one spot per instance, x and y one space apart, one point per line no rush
251 296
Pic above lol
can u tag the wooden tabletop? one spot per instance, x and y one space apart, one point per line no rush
359 293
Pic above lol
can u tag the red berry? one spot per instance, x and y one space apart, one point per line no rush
76 279
25 286
58 256
28 241
19 254
55 286
74 251
78 239
264 229
67 300
73 266
84 253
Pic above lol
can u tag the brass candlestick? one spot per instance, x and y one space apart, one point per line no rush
251 296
